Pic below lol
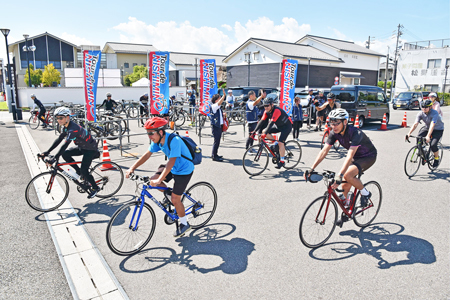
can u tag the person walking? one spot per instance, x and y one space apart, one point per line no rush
216 118
252 115
297 117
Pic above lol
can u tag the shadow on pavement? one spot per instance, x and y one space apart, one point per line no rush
443 174
200 252
382 241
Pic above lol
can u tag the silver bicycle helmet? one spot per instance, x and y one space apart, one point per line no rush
108 95
62 111
32 96
338 113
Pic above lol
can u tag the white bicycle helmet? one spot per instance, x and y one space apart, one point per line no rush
108 94
339 114
32 96
62 111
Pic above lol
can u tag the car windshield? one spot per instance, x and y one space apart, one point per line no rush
404 96
237 92
344 95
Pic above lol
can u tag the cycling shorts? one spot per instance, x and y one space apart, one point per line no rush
180 181
285 130
364 163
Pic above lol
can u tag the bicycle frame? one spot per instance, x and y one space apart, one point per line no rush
174 216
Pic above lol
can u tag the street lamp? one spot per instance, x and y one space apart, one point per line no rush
27 49
247 60
13 104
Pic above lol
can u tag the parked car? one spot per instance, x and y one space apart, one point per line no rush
367 102
408 100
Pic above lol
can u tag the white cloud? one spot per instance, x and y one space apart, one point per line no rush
75 39
339 35
184 37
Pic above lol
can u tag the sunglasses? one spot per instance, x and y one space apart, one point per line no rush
151 133
335 123
60 118
266 105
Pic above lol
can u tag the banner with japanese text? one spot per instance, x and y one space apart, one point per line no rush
288 79
91 67
158 73
208 84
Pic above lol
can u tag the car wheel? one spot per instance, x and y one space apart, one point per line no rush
394 107
387 119
409 107
361 122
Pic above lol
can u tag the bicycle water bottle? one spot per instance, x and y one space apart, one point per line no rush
71 172
342 197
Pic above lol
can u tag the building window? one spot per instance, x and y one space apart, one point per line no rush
255 55
356 81
447 62
134 65
434 63
126 65
144 65
56 64
431 87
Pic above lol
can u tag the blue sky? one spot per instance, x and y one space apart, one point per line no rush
220 26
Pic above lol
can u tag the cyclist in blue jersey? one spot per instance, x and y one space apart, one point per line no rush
85 145
361 155
177 168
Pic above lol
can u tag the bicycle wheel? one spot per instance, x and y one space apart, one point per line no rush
318 222
201 212
113 130
363 216
109 178
431 157
179 119
293 154
42 197
412 161
255 160
123 235
34 122
133 111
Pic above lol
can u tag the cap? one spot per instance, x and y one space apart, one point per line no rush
310 90
432 95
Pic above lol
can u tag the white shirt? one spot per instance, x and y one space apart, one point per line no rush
214 108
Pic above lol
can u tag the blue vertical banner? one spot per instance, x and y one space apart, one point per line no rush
288 79
91 67
208 84
158 72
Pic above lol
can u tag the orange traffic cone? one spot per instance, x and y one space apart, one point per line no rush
105 157
326 124
187 134
357 122
369 115
404 121
383 124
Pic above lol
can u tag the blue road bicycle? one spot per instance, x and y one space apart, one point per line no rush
132 226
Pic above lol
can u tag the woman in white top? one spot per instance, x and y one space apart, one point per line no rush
436 106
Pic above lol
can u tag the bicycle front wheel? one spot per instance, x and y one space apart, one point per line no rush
46 192
318 222
109 178
431 157
130 229
34 122
293 154
255 160
205 198
412 162
179 119
364 215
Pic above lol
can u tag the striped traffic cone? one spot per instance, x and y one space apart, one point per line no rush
357 122
383 124
404 121
187 134
105 157
326 124
369 115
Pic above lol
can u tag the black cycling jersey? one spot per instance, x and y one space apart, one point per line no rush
39 103
328 108
109 105
77 134
354 137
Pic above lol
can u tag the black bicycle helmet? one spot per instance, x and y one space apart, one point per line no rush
267 101
331 96
426 103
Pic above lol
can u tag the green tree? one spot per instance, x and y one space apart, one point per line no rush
138 73
381 84
36 76
50 75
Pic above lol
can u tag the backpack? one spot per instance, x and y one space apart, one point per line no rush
196 152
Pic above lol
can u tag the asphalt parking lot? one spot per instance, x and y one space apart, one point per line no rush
251 247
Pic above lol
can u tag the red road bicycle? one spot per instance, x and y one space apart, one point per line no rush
35 121
320 217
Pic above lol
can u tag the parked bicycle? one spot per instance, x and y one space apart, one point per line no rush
178 115
256 158
421 154
48 191
132 226
34 120
320 218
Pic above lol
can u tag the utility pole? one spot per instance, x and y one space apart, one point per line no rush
394 75
368 43
386 73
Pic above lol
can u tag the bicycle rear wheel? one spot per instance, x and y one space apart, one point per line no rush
318 222
255 160
34 122
201 212
431 157
179 119
293 154
46 192
412 161
363 216
109 178
126 237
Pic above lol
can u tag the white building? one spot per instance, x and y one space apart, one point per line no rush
424 65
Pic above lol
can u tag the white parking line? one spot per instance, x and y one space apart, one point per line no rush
87 273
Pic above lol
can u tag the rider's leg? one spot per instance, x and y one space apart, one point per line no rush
67 156
352 180
179 186
85 164
436 136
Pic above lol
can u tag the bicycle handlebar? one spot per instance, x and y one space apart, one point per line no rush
135 177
